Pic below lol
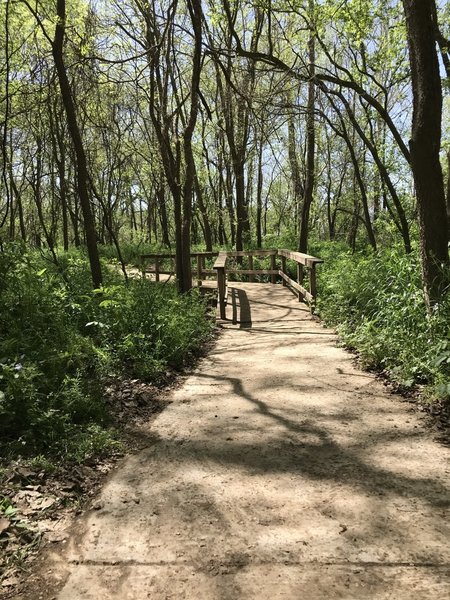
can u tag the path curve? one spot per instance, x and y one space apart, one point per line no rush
278 471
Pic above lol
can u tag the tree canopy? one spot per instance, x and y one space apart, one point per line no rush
226 124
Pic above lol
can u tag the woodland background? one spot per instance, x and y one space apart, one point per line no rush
136 126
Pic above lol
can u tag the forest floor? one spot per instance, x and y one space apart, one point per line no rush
277 470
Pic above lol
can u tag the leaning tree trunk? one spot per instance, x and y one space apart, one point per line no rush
74 131
425 146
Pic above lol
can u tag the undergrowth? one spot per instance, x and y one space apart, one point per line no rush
60 341
377 304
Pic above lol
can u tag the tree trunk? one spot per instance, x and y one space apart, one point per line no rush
294 163
242 221
259 187
310 144
425 146
74 130
161 195
204 213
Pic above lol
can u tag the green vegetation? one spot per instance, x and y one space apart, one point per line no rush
60 341
376 302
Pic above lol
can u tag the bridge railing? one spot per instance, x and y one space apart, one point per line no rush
293 269
303 262
157 264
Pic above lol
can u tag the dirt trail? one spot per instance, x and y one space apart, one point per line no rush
278 471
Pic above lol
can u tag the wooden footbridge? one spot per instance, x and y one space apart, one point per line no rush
297 271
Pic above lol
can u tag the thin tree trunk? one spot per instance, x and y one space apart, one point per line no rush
206 227
259 187
310 142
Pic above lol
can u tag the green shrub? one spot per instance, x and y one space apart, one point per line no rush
59 340
377 304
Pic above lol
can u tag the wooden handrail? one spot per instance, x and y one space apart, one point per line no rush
302 260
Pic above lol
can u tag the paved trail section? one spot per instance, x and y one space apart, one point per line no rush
279 470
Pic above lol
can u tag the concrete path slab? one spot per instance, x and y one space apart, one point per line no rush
279 470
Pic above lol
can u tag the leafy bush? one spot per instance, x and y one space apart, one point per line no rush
59 340
147 327
377 304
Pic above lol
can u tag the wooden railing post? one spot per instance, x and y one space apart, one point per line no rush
199 270
220 266
142 260
273 265
156 268
221 284
300 277
283 268
312 281
250 266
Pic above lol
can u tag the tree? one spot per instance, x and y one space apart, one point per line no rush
82 173
425 146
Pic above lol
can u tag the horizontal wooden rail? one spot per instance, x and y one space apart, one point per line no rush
299 257
221 268
151 263
296 286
